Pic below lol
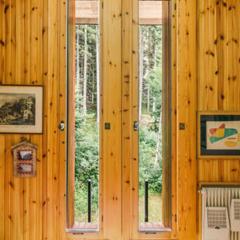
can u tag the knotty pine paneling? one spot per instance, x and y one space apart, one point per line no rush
218 39
186 102
218 36
33 52
111 112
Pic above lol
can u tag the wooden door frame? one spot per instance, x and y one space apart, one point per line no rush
130 137
124 17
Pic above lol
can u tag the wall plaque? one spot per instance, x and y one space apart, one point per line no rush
24 159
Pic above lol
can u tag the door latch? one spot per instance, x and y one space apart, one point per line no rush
135 126
61 126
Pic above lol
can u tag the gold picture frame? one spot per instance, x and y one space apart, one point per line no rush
21 109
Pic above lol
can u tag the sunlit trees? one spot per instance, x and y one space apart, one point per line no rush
88 112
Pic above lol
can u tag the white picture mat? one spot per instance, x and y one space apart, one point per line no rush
220 144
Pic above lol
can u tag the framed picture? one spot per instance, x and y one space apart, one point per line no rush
24 159
21 109
219 135
25 155
25 168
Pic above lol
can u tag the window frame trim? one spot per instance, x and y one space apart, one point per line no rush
164 233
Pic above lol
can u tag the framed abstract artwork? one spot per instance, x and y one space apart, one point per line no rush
219 134
21 109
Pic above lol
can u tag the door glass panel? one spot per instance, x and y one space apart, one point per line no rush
87 88
154 116
154 108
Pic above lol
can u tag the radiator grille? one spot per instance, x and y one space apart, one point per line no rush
217 218
237 210
221 197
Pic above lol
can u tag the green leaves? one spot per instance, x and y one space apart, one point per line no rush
86 126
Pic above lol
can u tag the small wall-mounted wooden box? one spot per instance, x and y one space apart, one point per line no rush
24 159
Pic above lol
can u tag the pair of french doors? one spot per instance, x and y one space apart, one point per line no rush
119 121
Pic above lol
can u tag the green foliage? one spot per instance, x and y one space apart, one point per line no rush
86 148
150 134
87 129
86 162
154 80
149 169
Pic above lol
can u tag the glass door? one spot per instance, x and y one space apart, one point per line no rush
119 119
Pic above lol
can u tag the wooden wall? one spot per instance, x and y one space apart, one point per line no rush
218 39
218 74
33 51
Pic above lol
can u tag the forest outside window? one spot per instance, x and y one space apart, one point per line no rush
84 94
153 126
154 141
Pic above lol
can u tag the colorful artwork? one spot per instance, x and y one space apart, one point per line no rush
223 135
219 134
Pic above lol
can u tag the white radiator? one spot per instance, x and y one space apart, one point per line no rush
235 215
218 197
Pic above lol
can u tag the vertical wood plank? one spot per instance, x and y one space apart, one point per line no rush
186 113
111 150
62 117
2 41
38 181
27 43
2 139
52 85
19 19
135 117
71 75
174 116
126 116
8 188
45 75
2 183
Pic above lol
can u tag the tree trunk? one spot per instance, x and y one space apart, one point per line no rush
157 157
98 75
85 72
93 79
148 98
140 72
77 66
149 65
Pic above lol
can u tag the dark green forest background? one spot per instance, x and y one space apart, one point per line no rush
87 118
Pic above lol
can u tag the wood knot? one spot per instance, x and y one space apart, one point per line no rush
6 9
211 53
11 185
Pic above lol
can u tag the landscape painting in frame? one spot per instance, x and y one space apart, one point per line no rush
219 134
21 109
